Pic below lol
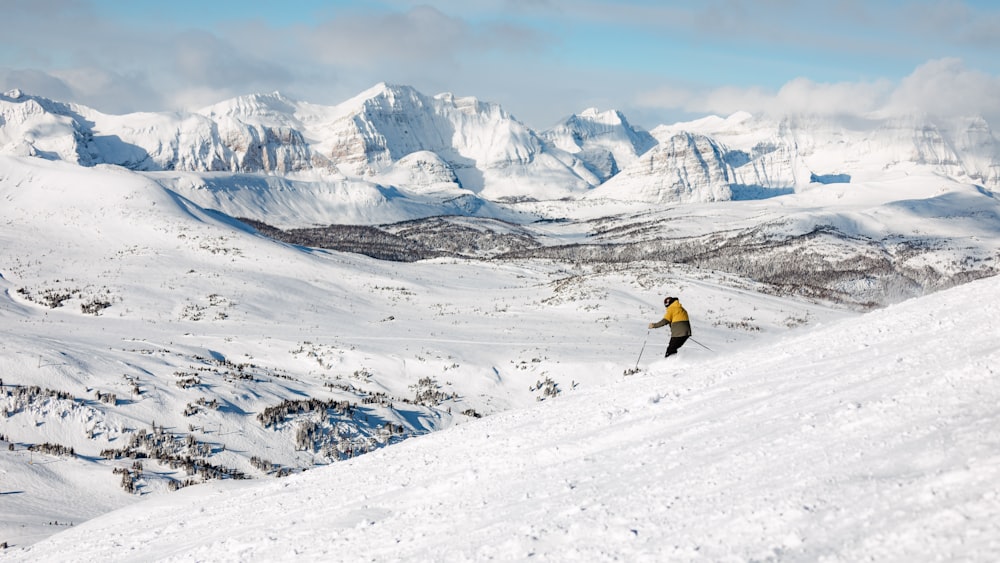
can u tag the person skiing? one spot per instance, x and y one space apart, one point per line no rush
680 326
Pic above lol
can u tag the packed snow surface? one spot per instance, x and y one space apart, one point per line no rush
875 437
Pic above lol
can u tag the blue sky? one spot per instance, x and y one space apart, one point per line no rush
659 62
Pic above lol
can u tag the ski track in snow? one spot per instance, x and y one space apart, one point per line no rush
870 438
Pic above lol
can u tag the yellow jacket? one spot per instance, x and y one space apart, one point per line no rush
677 317
675 313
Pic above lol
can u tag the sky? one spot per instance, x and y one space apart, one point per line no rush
542 60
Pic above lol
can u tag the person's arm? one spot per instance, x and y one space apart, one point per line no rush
661 322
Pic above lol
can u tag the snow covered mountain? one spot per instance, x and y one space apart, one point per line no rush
605 141
746 157
683 168
477 146
449 146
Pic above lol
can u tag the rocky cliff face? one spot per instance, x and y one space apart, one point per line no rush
682 168
744 157
605 141
148 141
387 123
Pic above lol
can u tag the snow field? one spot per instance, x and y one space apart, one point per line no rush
858 439
850 437
191 293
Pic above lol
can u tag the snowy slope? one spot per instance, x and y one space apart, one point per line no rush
869 438
303 202
138 316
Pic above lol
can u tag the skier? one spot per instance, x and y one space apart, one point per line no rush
680 326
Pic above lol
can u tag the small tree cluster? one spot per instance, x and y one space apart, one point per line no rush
202 403
428 392
230 371
134 383
344 439
272 416
54 298
305 435
187 380
107 398
346 445
30 392
177 485
130 476
316 352
52 449
175 452
233 371
193 312
364 374
23 395
379 398
311 436
94 306
51 298
746 323
263 464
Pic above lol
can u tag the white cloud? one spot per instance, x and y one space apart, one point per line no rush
422 35
521 53
942 87
946 87
35 82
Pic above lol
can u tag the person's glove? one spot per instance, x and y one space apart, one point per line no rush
650 325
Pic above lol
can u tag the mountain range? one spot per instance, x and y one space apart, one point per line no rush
447 147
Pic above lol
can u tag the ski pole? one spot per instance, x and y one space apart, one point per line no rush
702 345
641 350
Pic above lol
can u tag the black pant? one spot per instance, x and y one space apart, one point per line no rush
675 343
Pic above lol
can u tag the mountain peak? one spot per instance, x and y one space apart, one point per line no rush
609 117
385 90
604 141
252 105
